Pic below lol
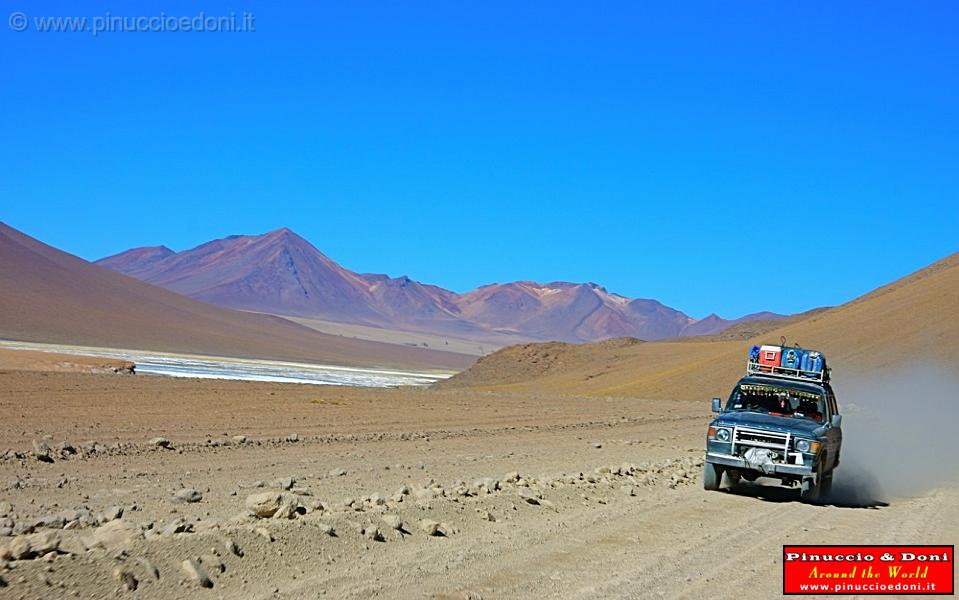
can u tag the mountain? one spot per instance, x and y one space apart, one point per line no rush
910 323
582 312
51 296
569 311
281 273
137 261
715 324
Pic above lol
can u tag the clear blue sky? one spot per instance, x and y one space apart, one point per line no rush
677 151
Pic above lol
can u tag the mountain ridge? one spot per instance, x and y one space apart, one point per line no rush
907 324
54 297
280 272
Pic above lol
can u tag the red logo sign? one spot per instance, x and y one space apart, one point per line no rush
864 570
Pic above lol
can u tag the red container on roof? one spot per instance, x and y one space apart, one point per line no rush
770 356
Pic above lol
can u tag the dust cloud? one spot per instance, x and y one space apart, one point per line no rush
900 431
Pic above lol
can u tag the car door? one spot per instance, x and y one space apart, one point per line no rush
833 434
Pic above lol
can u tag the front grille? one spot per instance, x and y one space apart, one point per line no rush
761 439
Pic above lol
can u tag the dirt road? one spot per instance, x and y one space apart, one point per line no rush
587 497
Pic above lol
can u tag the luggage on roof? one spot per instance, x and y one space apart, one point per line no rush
812 363
790 363
769 356
792 358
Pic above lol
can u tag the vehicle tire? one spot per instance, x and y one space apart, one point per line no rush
809 491
712 476
825 485
732 478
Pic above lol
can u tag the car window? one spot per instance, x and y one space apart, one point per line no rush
779 400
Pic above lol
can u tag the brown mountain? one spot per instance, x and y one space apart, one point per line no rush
138 261
51 296
279 272
715 324
570 311
908 323
282 273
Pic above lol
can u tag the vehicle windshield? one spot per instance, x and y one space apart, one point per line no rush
779 400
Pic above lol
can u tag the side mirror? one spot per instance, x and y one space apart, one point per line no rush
836 421
718 407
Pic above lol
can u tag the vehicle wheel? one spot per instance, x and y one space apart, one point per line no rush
732 478
825 485
712 476
809 491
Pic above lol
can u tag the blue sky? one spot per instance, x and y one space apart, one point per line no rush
727 157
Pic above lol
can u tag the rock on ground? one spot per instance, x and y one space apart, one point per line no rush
285 483
430 527
393 522
111 513
176 526
187 495
149 568
196 573
113 535
231 547
527 495
212 562
125 578
278 505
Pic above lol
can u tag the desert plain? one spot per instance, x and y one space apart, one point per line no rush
542 470
437 493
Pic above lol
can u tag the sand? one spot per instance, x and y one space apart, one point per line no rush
547 470
911 322
30 360
652 532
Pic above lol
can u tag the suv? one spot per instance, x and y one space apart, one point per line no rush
775 425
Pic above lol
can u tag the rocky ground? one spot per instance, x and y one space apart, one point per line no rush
154 488
27 360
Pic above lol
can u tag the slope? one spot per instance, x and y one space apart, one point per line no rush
50 296
913 320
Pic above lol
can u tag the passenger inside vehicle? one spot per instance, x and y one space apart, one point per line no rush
778 401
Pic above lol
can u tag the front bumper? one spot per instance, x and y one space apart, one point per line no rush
736 462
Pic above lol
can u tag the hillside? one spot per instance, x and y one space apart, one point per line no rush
913 320
50 296
282 273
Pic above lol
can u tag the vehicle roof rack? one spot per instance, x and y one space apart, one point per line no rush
754 368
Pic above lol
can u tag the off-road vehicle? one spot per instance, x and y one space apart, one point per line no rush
781 421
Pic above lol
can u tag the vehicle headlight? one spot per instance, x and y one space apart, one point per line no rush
802 445
720 434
